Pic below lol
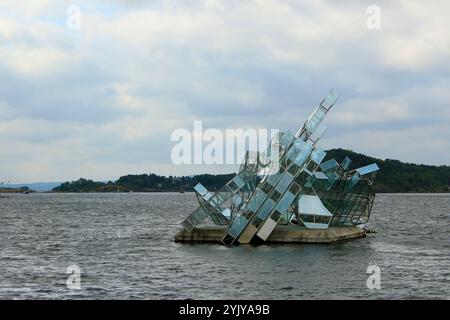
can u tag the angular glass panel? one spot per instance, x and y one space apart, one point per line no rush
239 182
286 138
351 183
285 202
298 146
200 189
303 155
265 209
227 213
315 119
256 201
345 164
333 177
284 182
194 219
237 200
330 99
317 155
329 165
320 175
368 169
312 205
273 178
318 132
238 224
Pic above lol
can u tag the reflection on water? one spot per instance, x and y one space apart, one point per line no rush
123 244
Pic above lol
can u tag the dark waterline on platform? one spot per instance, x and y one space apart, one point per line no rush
123 244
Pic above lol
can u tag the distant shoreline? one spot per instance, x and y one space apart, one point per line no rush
393 177
16 190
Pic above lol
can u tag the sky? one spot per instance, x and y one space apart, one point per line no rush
95 89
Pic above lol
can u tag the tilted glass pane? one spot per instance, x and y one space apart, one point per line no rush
298 146
238 224
237 200
284 182
329 165
318 132
351 183
330 99
265 209
303 155
286 138
368 169
320 175
285 202
201 189
239 182
256 201
345 164
312 205
273 178
318 155
315 119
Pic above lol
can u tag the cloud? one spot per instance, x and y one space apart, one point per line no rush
102 101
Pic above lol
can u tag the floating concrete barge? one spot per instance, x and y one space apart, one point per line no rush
281 234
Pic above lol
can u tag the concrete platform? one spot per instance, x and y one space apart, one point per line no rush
281 234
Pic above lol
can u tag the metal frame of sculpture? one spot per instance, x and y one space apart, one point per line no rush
294 188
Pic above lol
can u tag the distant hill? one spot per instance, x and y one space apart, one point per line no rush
146 183
397 176
394 176
37 186
15 190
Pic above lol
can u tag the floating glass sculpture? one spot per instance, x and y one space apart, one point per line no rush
298 188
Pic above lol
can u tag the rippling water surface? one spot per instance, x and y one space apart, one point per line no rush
123 244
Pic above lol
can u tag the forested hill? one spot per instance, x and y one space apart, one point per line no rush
394 176
146 183
397 176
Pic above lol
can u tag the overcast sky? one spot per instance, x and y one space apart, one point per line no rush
102 101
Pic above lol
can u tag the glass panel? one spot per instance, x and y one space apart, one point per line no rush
329 165
265 209
232 186
345 164
285 202
315 119
311 205
298 146
273 178
330 99
286 139
200 189
302 156
237 200
320 175
237 226
239 182
319 132
318 155
256 200
368 169
284 182
351 183
195 218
